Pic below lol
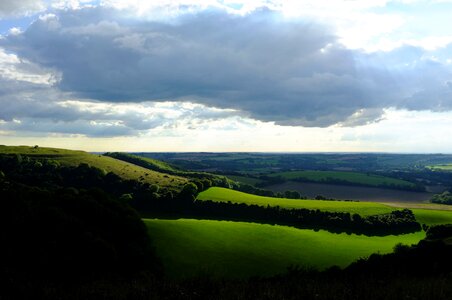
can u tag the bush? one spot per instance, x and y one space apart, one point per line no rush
443 198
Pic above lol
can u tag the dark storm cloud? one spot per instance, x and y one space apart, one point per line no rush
267 67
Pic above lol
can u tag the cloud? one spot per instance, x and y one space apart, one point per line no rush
39 109
30 103
261 65
16 69
10 8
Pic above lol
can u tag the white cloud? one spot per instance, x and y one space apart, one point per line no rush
86 117
14 68
15 8
71 4
371 25
15 31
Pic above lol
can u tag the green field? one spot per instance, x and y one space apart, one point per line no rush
123 169
237 249
363 208
350 177
441 167
433 217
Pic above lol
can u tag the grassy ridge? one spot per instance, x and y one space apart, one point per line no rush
40 151
145 162
363 208
237 249
350 177
123 169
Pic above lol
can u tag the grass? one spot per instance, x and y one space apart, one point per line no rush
433 217
40 151
350 177
237 249
159 164
123 169
363 208
145 162
441 167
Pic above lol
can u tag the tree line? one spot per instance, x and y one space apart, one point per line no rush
443 198
63 233
272 180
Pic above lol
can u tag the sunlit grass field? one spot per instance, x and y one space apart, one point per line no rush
363 208
429 215
236 249
441 167
350 177
123 169
433 217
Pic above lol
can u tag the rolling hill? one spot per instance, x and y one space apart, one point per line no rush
431 214
363 208
123 169
190 247
238 249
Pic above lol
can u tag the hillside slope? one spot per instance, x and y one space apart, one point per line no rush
432 214
219 194
123 169
190 247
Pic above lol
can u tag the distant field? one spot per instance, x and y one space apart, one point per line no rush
244 179
237 249
363 208
350 177
123 169
441 167
361 193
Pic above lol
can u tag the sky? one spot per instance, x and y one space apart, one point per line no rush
231 75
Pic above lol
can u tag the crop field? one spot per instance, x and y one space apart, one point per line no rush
123 169
361 193
237 249
350 177
363 208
